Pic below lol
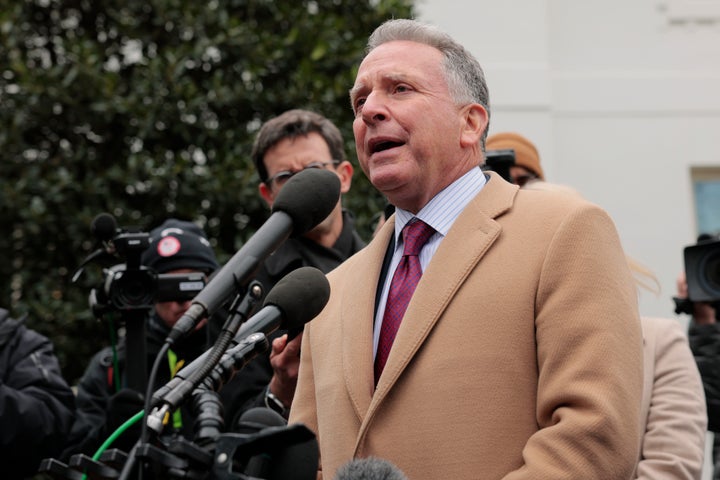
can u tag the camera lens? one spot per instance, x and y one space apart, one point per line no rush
131 289
712 270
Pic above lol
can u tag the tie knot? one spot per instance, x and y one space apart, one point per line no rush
415 235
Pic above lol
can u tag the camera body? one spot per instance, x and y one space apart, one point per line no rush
500 161
702 271
131 286
138 289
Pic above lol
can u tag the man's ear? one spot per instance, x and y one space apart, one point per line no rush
475 122
345 172
266 193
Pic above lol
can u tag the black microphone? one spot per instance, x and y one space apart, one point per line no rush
305 201
296 299
233 360
370 468
284 456
104 227
253 421
257 418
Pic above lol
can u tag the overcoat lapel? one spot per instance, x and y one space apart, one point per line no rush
458 254
357 320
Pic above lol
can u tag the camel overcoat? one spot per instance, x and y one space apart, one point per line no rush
519 356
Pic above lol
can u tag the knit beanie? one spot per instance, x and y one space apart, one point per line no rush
526 155
177 245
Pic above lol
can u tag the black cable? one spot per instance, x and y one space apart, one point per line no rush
130 463
144 434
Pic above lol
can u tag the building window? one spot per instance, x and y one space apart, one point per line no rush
706 192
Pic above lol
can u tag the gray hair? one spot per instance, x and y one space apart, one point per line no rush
464 75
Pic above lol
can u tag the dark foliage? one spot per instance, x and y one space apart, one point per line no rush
147 109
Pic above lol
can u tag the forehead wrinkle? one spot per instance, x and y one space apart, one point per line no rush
392 78
356 90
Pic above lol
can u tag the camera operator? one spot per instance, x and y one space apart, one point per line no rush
704 336
104 401
526 168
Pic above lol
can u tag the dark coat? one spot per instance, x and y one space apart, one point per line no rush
36 404
705 345
249 384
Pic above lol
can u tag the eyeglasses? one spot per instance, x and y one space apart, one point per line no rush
521 180
282 177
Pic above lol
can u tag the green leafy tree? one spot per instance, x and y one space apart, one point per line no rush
147 109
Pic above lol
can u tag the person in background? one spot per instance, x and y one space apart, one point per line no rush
704 336
37 406
104 401
285 145
518 355
673 406
527 159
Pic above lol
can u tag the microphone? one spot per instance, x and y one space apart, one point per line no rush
370 468
305 201
296 299
104 227
233 360
283 456
257 418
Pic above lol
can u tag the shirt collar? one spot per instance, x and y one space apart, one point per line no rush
444 208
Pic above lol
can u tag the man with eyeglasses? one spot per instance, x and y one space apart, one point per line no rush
285 145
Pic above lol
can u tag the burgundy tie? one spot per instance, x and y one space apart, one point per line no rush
407 275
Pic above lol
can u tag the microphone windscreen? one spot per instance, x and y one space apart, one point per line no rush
257 418
301 295
370 468
104 227
308 198
298 461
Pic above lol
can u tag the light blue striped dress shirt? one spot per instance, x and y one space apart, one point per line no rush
440 213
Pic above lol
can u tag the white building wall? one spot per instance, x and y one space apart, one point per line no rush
621 97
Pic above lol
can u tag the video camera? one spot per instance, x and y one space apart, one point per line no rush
500 161
702 275
702 269
127 285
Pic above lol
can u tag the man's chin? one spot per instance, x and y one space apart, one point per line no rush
387 180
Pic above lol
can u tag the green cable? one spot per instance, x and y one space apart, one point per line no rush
119 431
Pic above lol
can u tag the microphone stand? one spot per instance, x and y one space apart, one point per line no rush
136 359
184 458
239 313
